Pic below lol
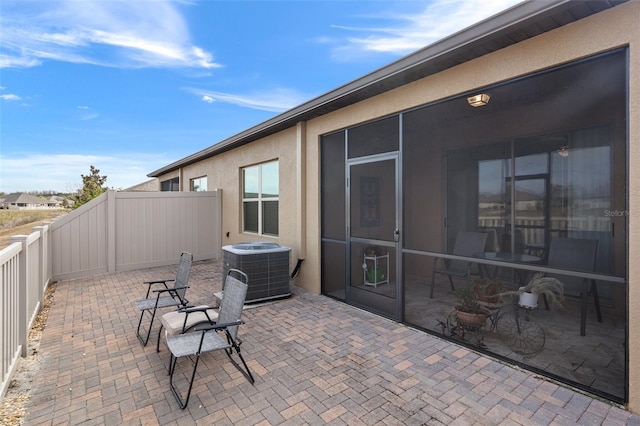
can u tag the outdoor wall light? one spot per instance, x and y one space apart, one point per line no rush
479 100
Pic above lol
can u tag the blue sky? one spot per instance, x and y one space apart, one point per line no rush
131 86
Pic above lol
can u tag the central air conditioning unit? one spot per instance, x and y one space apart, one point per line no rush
266 264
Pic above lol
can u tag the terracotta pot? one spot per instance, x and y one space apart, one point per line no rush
487 292
487 298
473 320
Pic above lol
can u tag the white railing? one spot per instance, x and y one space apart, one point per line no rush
24 276
116 231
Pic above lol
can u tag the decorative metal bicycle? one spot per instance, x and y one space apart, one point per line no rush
518 329
515 326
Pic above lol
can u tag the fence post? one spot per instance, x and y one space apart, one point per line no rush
23 270
42 252
111 230
48 259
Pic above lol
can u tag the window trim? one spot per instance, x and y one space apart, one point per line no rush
200 178
260 199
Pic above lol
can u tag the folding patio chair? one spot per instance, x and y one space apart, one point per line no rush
164 297
185 319
576 254
467 244
212 337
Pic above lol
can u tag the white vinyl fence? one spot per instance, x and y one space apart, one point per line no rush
116 231
24 275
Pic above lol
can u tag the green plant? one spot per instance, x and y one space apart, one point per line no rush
469 313
92 186
551 288
467 301
372 251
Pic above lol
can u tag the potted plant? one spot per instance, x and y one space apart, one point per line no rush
372 251
487 291
375 275
468 311
551 288
374 272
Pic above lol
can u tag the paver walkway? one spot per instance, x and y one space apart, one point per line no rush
315 360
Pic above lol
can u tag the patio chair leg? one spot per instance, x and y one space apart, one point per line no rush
246 372
433 281
596 299
182 401
583 315
172 364
546 301
451 282
159 334
145 339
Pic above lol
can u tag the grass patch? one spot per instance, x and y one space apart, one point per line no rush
13 218
21 222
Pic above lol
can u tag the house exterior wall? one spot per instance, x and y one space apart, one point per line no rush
172 175
224 172
30 207
150 185
610 29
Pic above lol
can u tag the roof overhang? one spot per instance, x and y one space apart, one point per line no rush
518 23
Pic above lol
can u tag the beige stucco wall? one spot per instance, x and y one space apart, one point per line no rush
224 172
150 185
605 31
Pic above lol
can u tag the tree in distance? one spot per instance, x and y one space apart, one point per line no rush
92 186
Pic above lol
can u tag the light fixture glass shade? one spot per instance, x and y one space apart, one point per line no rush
479 100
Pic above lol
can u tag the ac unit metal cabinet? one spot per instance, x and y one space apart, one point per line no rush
266 264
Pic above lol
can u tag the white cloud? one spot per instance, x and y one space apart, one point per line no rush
413 31
90 116
61 172
10 97
276 100
87 113
9 61
108 33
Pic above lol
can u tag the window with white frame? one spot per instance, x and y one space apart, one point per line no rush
198 184
260 198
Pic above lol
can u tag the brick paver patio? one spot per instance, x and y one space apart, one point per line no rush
315 360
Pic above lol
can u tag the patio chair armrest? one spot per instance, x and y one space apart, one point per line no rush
190 309
173 292
219 326
149 284
172 289
158 281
